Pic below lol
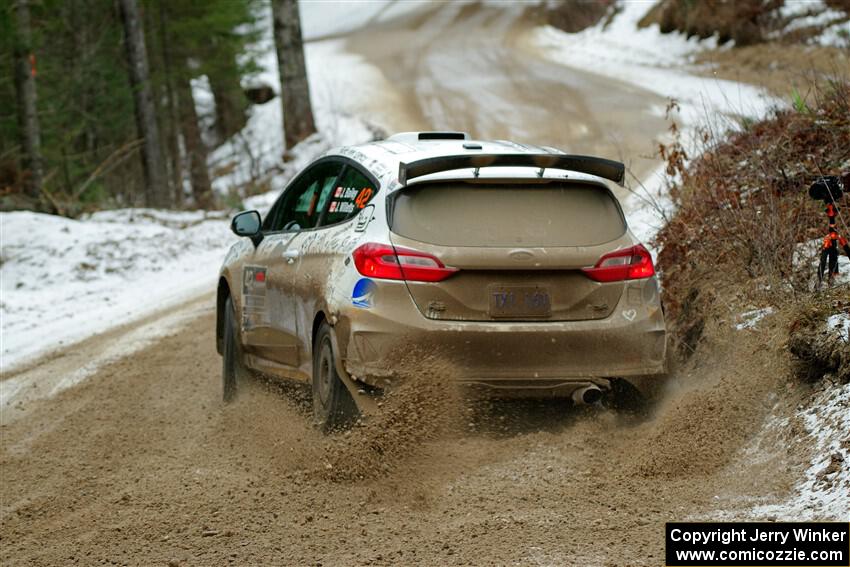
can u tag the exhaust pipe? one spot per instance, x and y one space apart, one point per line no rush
587 395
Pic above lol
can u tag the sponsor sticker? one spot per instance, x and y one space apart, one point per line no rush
341 207
364 218
346 200
363 294
254 297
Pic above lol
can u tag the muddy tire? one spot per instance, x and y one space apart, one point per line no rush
333 407
624 398
233 368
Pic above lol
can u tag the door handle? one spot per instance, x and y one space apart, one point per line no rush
291 255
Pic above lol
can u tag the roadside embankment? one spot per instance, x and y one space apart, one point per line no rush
739 259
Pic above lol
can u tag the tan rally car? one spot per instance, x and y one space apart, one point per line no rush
514 262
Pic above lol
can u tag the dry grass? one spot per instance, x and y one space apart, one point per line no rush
818 352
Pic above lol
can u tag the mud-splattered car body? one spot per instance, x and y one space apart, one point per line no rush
523 275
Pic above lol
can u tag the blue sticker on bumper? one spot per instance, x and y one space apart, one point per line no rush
364 291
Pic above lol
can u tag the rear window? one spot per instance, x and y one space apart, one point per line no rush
506 215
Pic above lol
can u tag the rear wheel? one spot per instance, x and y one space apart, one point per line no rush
624 398
233 369
333 407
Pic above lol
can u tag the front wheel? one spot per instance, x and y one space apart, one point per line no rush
333 407
233 369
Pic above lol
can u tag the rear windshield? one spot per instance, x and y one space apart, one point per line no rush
528 215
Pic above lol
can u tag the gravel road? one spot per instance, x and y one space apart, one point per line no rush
141 463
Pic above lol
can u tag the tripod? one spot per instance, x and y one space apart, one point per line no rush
828 189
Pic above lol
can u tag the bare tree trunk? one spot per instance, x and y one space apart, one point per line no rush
196 151
25 72
156 179
173 122
298 120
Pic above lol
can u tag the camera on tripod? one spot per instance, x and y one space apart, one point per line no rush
830 189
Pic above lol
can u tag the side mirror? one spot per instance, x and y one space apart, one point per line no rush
248 224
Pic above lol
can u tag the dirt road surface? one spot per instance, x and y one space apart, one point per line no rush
142 464
473 68
119 451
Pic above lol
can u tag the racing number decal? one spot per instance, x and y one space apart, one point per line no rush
363 197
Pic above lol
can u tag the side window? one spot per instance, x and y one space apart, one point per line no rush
352 192
299 207
274 213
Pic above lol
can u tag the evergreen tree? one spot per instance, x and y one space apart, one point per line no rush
204 39
90 141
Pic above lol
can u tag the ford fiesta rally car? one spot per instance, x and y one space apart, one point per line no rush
513 262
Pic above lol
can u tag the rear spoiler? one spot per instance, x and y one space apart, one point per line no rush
601 167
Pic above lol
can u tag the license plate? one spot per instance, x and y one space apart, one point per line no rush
519 301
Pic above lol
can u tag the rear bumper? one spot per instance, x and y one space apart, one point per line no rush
535 358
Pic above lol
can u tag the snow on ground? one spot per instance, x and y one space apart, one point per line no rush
824 490
131 263
751 319
323 19
654 61
802 14
823 493
837 35
840 323
657 62
64 280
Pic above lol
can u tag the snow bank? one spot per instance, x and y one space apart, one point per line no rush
840 322
64 280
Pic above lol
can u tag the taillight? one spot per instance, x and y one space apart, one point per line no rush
384 261
633 263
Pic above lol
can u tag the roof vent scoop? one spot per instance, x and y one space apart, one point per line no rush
443 136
